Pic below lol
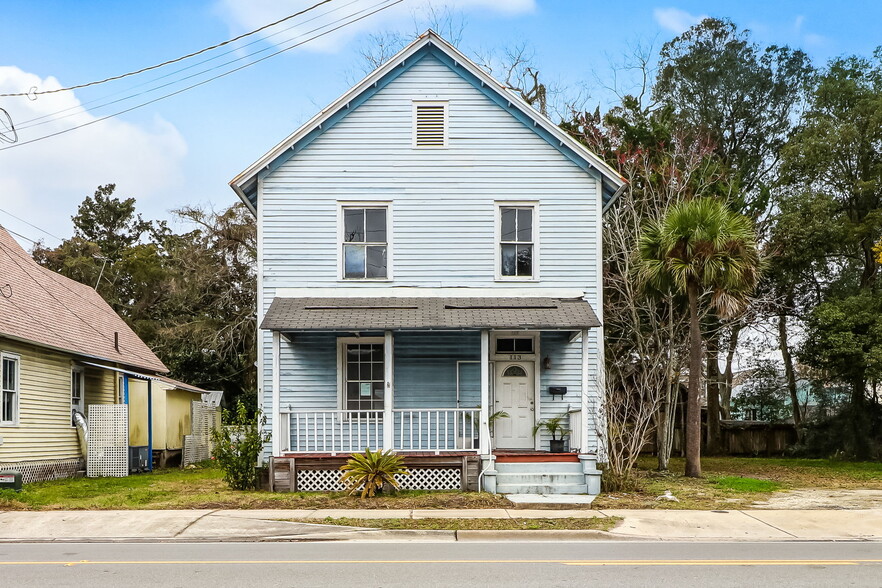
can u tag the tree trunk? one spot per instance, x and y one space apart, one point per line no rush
728 376
693 399
712 380
859 420
789 374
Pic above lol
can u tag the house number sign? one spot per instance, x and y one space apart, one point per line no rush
514 357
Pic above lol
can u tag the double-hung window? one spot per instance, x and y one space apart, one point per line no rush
364 376
76 393
9 389
516 242
365 243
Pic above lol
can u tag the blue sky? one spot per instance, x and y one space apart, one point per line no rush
183 150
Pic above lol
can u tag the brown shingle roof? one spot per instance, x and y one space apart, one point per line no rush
364 314
41 306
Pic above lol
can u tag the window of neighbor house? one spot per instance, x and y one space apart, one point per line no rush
9 382
364 243
364 377
76 393
516 241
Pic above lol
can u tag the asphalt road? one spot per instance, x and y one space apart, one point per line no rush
425 565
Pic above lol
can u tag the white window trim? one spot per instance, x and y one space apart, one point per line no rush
427 102
82 375
16 403
497 240
387 204
342 342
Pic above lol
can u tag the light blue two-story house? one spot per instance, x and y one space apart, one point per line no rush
429 253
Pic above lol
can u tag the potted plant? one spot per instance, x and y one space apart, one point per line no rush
554 427
491 421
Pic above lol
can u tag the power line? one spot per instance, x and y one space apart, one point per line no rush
79 108
170 61
8 230
388 4
31 225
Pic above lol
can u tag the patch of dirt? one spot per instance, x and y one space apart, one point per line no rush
827 498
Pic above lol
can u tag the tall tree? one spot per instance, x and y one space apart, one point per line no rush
837 155
744 99
704 250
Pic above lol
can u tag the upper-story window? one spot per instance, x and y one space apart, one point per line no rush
365 243
9 381
517 258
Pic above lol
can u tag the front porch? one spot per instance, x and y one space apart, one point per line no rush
433 393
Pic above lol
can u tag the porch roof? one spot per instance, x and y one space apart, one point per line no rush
377 314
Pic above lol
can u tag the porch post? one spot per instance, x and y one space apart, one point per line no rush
388 392
484 429
277 410
585 424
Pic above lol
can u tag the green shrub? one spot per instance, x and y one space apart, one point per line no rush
372 471
237 446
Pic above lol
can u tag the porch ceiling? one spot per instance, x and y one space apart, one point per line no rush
377 314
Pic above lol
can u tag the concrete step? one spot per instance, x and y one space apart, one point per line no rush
527 499
542 488
539 468
548 479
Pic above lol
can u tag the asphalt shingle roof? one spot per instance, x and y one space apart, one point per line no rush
365 314
46 308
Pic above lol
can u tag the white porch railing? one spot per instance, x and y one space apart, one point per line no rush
351 431
437 429
332 431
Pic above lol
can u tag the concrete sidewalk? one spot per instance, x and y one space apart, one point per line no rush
275 525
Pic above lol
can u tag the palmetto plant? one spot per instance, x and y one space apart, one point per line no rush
700 248
371 471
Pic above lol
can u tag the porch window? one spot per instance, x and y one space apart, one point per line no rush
365 243
9 380
364 377
516 241
514 345
76 393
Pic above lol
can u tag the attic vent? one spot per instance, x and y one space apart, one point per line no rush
430 124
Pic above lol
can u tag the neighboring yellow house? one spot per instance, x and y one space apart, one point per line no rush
61 349
172 409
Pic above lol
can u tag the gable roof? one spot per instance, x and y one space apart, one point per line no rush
40 306
429 43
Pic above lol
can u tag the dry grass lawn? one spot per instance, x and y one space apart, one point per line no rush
735 482
728 483
593 523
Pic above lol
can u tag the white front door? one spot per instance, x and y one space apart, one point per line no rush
515 395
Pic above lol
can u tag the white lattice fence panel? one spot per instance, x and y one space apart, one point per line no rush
431 479
108 446
40 471
319 481
197 445
419 479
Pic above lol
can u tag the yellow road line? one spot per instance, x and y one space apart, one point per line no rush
569 562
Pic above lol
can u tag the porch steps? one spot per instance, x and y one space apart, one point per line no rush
540 478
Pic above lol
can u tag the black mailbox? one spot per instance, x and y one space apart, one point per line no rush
557 390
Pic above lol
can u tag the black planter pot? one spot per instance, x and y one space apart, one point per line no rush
556 445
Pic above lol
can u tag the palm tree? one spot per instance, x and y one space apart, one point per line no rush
700 248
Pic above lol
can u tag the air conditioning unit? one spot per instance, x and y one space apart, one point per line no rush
139 459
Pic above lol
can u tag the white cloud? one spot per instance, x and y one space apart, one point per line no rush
246 15
44 182
675 20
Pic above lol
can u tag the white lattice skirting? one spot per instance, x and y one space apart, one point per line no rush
41 471
419 479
